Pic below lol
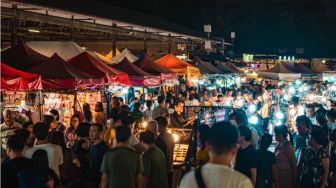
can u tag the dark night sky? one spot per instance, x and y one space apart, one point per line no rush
262 26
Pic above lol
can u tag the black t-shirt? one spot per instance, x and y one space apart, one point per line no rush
265 160
10 169
246 159
96 158
177 121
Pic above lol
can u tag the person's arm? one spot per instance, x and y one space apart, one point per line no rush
253 176
325 164
291 157
104 180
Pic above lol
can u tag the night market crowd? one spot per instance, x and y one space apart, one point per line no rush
99 149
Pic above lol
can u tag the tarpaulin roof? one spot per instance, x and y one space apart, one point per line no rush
65 49
92 66
110 54
298 68
206 68
146 64
176 65
101 57
137 75
233 67
280 72
22 57
225 69
58 74
13 79
125 54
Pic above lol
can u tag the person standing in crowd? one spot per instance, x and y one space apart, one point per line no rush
148 113
49 120
97 151
100 115
136 112
70 133
202 154
128 122
214 96
246 161
161 110
165 142
26 138
81 149
59 126
122 166
331 118
87 113
16 162
315 168
303 126
310 113
68 171
28 125
285 159
55 155
8 127
177 119
266 164
223 147
153 162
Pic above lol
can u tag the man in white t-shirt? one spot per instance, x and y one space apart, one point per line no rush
223 146
54 152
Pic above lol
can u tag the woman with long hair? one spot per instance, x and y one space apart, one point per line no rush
99 115
87 113
70 133
285 159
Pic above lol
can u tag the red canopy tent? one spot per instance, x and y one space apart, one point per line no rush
58 74
13 79
146 64
92 66
22 57
137 76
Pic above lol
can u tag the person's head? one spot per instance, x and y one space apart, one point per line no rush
205 92
96 130
331 115
147 138
317 137
203 133
266 141
15 145
55 113
40 131
28 125
223 140
49 120
321 121
214 93
303 124
310 110
99 107
245 134
74 121
134 100
8 116
123 134
136 107
330 103
83 130
229 93
128 121
115 102
87 112
40 160
121 101
162 124
24 134
148 96
241 118
281 133
57 138
149 104
137 94
178 106
161 100
152 126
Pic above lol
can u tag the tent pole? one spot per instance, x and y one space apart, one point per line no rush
40 103
75 102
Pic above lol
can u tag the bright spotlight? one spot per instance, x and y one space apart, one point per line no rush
253 120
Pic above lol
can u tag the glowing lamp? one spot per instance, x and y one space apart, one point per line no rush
252 108
176 137
253 120
279 115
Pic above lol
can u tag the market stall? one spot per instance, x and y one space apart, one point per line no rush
138 77
280 72
110 54
182 68
124 54
22 57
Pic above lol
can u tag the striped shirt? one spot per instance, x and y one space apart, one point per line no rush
7 131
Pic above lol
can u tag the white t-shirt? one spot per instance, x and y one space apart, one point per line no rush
54 152
215 176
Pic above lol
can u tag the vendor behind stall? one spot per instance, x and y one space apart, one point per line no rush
177 119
